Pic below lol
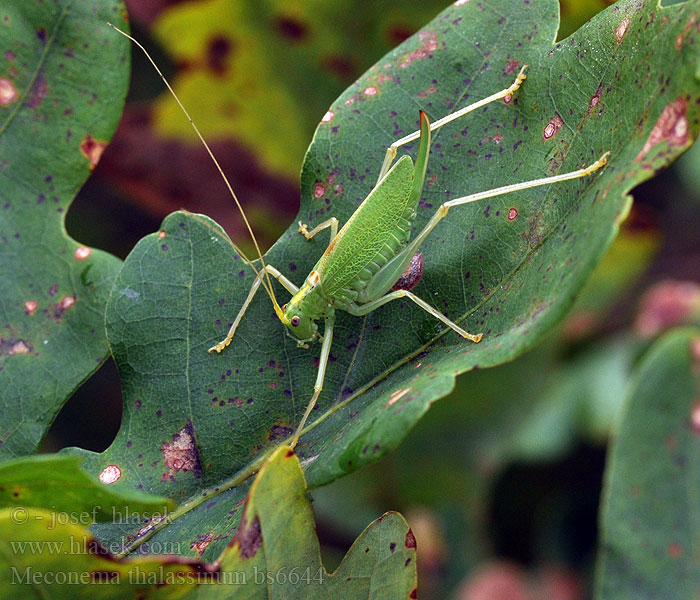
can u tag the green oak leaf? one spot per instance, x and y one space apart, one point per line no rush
45 559
197 425
650 510
57 482
63 78
276 553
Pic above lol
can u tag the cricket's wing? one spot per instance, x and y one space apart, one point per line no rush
376 231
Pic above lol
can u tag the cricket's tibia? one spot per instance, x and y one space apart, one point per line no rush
525 185
391 150
302 423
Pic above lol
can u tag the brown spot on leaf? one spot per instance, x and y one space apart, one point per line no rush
511 66
13 344
398 32
319 191
328 117
595 100
429 44
218 51
686 30
341 66
40 90
202 542
292 29
248 537
621 30
414 594
512 213
62 306
182 453
280 432
8 92
66 302
411 275
554 125
410 541
675 550
92 150
671 126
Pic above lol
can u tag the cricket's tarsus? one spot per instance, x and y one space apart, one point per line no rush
352 275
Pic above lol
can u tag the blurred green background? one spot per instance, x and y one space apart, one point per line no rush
501 480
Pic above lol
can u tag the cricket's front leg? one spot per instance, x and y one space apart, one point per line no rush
289 286
320 375
332 223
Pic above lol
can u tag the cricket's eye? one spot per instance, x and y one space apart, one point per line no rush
295 321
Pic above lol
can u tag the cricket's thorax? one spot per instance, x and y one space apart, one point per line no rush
310 298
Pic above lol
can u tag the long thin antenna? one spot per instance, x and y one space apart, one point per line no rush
266 278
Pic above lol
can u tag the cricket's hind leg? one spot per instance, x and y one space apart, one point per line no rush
332 223
363 309
375 294
391 150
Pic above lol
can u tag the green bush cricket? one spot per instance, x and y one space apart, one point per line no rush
367 256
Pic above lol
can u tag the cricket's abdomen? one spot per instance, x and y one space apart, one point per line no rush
377 230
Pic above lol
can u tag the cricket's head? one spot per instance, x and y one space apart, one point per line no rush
301 326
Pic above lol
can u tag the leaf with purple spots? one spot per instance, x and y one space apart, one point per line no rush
63 76
200 424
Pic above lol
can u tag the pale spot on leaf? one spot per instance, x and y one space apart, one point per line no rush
397 395
8 92
19 348
82 252
110 474
621 30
